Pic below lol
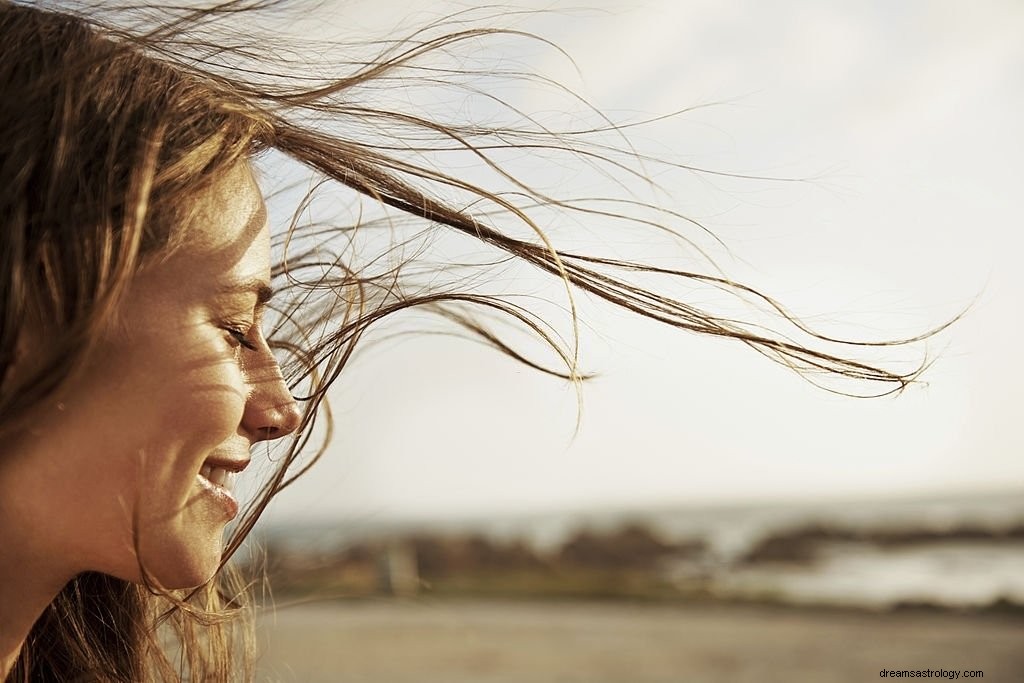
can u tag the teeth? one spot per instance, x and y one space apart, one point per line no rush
218 476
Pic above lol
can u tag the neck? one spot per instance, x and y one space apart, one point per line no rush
32 570
25 591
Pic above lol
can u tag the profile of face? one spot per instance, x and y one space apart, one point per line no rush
135 458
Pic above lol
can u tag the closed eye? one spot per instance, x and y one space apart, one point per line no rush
241 338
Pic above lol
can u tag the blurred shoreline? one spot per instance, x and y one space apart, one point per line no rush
963 553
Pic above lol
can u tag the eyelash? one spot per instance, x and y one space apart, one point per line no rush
240 337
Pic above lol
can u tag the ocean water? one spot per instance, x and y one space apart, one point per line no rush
944 570
962 575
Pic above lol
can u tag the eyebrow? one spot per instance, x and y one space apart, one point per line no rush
261 288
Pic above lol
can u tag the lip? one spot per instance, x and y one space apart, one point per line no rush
216 493
230 464
219 495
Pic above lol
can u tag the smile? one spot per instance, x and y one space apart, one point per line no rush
219 476
217 480
221 471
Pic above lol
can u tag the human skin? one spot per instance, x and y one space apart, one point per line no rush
107 478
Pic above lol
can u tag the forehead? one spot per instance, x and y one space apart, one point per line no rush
224 242
228 216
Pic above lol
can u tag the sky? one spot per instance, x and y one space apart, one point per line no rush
906 115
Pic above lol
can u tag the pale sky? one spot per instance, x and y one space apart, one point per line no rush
910 114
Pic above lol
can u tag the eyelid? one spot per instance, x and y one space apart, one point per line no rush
242 339
240 335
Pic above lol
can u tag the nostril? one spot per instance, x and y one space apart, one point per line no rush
281 421
271 411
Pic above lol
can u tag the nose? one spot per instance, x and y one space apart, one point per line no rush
270 410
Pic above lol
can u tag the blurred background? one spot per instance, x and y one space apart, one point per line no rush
716 517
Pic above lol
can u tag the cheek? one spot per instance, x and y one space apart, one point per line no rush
207 408
202 388
181 539
179 414
199 415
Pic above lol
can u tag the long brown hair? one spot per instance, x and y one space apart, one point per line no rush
107 135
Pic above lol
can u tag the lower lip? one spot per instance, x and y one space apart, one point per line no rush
219 494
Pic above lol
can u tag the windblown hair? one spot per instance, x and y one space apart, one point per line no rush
108 136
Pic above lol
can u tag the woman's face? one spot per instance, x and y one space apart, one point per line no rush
145 439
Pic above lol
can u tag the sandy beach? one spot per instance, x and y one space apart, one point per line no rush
536 642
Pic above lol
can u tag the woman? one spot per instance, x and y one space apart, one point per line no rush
136 271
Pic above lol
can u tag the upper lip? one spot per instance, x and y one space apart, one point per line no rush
228 463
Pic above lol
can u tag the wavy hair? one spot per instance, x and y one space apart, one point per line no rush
109 132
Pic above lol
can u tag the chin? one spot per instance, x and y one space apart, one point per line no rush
181 561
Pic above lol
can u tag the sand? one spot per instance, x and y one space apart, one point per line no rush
536 642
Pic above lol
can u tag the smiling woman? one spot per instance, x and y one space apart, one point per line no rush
181 353
135 271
